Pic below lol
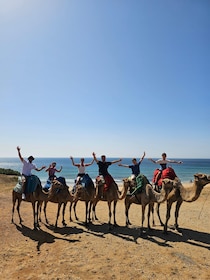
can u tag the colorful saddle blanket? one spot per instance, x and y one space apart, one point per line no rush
167 173
31 184
107 180
86 181
141 182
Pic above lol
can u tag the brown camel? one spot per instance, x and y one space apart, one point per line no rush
61 196
86 194
110 195
147 196
35 198
181 193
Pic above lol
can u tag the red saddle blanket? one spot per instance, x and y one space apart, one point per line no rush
108 180
159 175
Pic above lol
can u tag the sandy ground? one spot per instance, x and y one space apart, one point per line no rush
78 252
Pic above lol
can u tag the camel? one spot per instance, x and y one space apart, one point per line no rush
110 195
86 194
147 196
180 194
35 198
60 197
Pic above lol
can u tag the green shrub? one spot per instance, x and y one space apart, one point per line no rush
9 172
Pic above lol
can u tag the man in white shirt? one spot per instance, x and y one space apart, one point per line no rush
26 170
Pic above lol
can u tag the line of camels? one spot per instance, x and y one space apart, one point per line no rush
171 191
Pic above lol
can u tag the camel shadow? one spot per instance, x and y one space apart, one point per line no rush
189 236
40 236
132 234
64 230
102 229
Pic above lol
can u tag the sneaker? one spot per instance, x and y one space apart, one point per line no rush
23 196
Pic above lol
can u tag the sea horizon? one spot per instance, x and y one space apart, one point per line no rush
184 171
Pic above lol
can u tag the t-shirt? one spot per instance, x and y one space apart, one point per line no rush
27 167
103 167
135 169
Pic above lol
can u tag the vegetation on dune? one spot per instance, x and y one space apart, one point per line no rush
9 172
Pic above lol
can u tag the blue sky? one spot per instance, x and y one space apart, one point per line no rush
115 77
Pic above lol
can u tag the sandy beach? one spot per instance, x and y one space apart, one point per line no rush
77 252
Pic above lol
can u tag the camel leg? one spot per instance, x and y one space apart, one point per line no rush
110 214
114 212
18 210
178 205
89 211
169 204
35 207
58 213
64 208
127 207
40 211
150 209
45 212
94 217
70 208
75 212
86 212
142 218
158 213
16 197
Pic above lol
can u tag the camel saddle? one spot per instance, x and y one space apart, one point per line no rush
167 173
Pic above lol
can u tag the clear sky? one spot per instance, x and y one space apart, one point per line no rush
117 77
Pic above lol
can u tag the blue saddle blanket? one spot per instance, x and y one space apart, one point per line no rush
86 180
31 184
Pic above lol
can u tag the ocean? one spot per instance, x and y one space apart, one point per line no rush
184 171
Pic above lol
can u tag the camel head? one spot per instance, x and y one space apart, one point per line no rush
79 191
168 185
56 185
202 179
129 183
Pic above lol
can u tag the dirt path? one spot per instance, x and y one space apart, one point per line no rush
78 252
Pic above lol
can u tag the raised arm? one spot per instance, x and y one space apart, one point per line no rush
19 154
88 164
94 157
59 170
142 157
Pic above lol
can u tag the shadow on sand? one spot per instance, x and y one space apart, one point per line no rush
42 237
132 234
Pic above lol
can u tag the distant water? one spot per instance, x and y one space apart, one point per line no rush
184 171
